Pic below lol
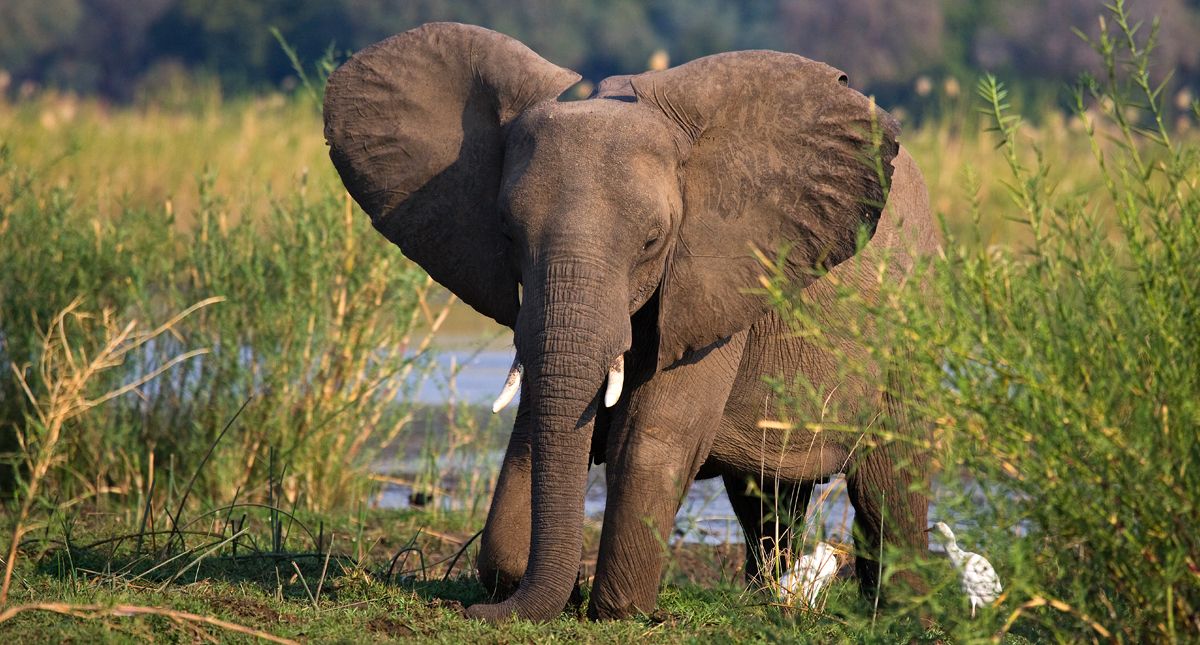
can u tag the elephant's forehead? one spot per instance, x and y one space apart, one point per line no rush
602 130
589 154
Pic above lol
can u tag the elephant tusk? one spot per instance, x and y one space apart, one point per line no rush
616 380
511 385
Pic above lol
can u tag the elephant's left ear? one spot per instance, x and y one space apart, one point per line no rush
780 155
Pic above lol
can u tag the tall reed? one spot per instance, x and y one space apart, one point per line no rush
322 328
76 348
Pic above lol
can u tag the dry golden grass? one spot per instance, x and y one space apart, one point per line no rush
263 148
147 157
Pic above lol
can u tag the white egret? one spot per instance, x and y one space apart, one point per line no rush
979 580
809 575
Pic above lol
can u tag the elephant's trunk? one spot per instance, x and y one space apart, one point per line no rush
569 331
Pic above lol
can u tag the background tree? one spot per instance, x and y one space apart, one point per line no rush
873 41
111 47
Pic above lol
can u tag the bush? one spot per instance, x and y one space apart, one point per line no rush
319 332
1061 378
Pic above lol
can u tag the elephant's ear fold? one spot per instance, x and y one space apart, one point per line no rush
779 155
415 126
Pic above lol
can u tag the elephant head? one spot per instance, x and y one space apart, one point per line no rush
561 219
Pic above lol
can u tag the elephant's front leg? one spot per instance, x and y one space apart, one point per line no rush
504 546
655 449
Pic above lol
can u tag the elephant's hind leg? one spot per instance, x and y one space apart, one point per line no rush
771 513
890 505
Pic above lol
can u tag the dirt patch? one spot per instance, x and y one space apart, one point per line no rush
390 626
256 611
453 605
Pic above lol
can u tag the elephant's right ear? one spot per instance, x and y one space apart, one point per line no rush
779 156
415 126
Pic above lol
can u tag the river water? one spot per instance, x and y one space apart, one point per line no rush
471 369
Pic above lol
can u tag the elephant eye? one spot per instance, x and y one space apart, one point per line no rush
650 243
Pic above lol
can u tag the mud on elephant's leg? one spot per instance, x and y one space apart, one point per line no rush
654 453
771 513
504 545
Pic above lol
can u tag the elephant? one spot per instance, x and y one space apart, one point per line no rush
616 237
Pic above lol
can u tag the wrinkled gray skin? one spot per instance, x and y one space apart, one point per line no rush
629 221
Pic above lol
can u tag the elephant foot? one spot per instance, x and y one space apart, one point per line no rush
612 613
501 566
499 584
607 607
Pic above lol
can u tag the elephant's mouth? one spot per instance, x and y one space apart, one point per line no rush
642 295
612 391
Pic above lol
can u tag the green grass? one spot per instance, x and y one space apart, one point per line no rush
288 596
358 609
